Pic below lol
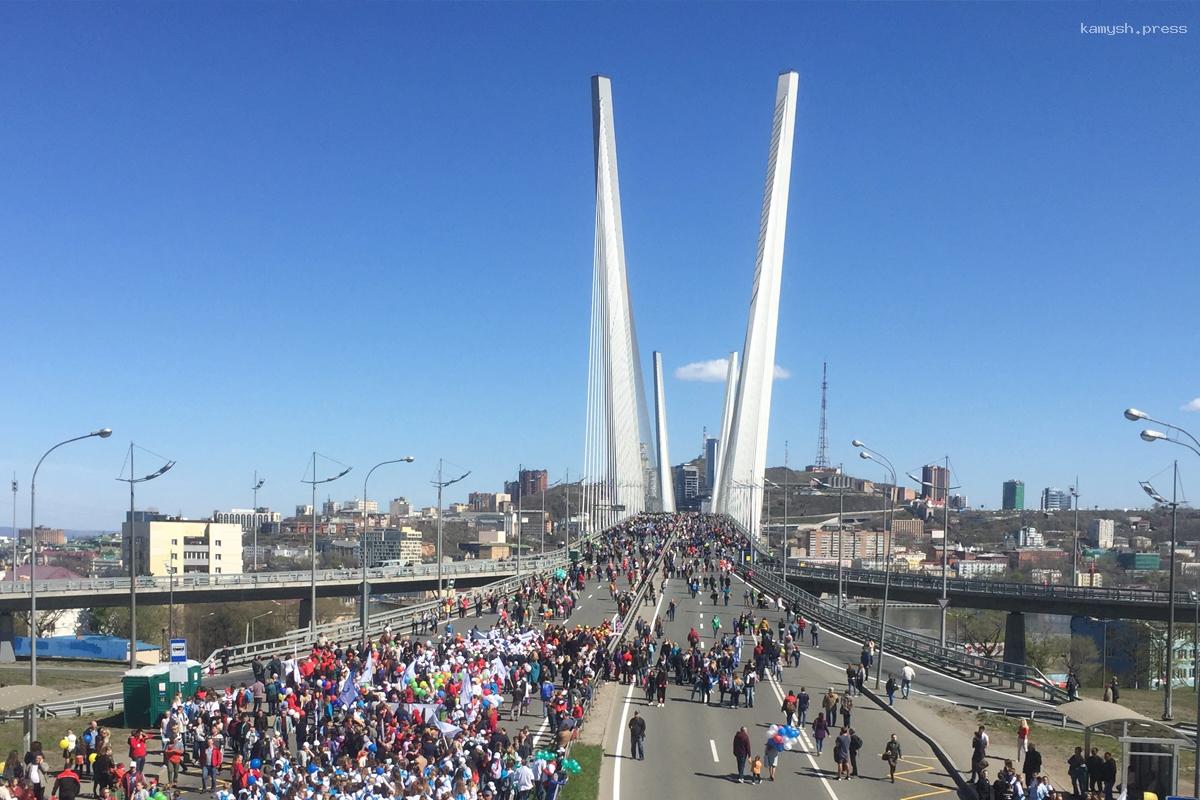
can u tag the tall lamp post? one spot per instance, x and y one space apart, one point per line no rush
250 623
258 484
945 599
312 617
1075 537
103 433
873 455
1148 435
1195 597
841 527
1169 650
362 542
15 533
442 484
170 599
132 481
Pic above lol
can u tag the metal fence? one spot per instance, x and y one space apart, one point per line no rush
917 647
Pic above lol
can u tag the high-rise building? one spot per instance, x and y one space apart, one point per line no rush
1014 495
1055 499
935 484
400 507
959 502
533 481
687 485
391 544
711 446
1100 533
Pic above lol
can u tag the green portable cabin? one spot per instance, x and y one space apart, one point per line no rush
149 691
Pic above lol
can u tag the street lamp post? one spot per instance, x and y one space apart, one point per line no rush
258 484
250 623
1075 537
103 433
132 481
944 601
312 617
170 598
841 527
1195 596
15 533
442 484
362 543
1169 650
1148 435
873 455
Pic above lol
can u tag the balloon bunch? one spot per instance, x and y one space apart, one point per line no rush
544 755
571 765
782 737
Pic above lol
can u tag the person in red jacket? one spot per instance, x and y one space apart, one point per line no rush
210 762
137 751
66 785
237 773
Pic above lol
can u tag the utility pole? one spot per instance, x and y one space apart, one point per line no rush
787 474
258 484
441 484
15 532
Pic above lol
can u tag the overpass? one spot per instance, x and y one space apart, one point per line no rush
251 586
1147 604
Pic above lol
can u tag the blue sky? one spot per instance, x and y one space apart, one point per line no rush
235 233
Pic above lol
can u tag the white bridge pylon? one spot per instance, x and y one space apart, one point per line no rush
626 470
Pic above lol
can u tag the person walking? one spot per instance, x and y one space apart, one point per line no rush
856 744
1032 764
210 765
907 673
789 708
841 754
892 754
771 756
890 686
829 705
979 744
847 706
814 629
820 728
637 737
1022 740
802 701
741 752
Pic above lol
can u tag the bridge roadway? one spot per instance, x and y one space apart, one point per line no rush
689 746
203 588
1144 604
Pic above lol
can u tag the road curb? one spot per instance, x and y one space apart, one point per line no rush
965 790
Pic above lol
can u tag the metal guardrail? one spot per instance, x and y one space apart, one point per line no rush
917 647
252 580
302 638
1031 591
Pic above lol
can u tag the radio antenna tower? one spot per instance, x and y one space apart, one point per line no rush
822 461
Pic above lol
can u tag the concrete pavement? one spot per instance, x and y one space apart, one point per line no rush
689 744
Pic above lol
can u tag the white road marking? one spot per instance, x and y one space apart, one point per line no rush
713 745
616 792
808 746
589 597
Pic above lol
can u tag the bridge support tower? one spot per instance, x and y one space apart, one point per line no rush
1014 638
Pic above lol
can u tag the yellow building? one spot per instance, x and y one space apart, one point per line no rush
188 545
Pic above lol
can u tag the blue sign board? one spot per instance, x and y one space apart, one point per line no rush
178 651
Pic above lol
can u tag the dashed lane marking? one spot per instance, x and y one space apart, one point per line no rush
712 743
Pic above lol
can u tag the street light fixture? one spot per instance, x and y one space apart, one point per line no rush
132 481
258 484
250 623
362 541
841 528
944 602
1169 650
103 433
1150 435
442 484
873 455
312 617
1195 597
170 598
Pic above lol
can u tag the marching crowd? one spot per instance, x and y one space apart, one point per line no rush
425 716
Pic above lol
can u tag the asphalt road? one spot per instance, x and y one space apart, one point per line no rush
689 746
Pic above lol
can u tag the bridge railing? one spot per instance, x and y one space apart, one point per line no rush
253 580
914 646
1033 591
302 639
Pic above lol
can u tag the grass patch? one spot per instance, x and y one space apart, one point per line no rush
1150 701
77 677
585 784
12 734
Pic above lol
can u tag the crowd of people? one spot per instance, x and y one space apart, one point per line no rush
445 712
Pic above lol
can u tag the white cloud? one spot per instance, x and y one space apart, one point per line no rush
715 370
1192 406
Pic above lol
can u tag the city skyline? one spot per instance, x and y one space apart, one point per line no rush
234 272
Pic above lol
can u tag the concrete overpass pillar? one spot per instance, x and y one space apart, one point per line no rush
1014 638
306 612
6 638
